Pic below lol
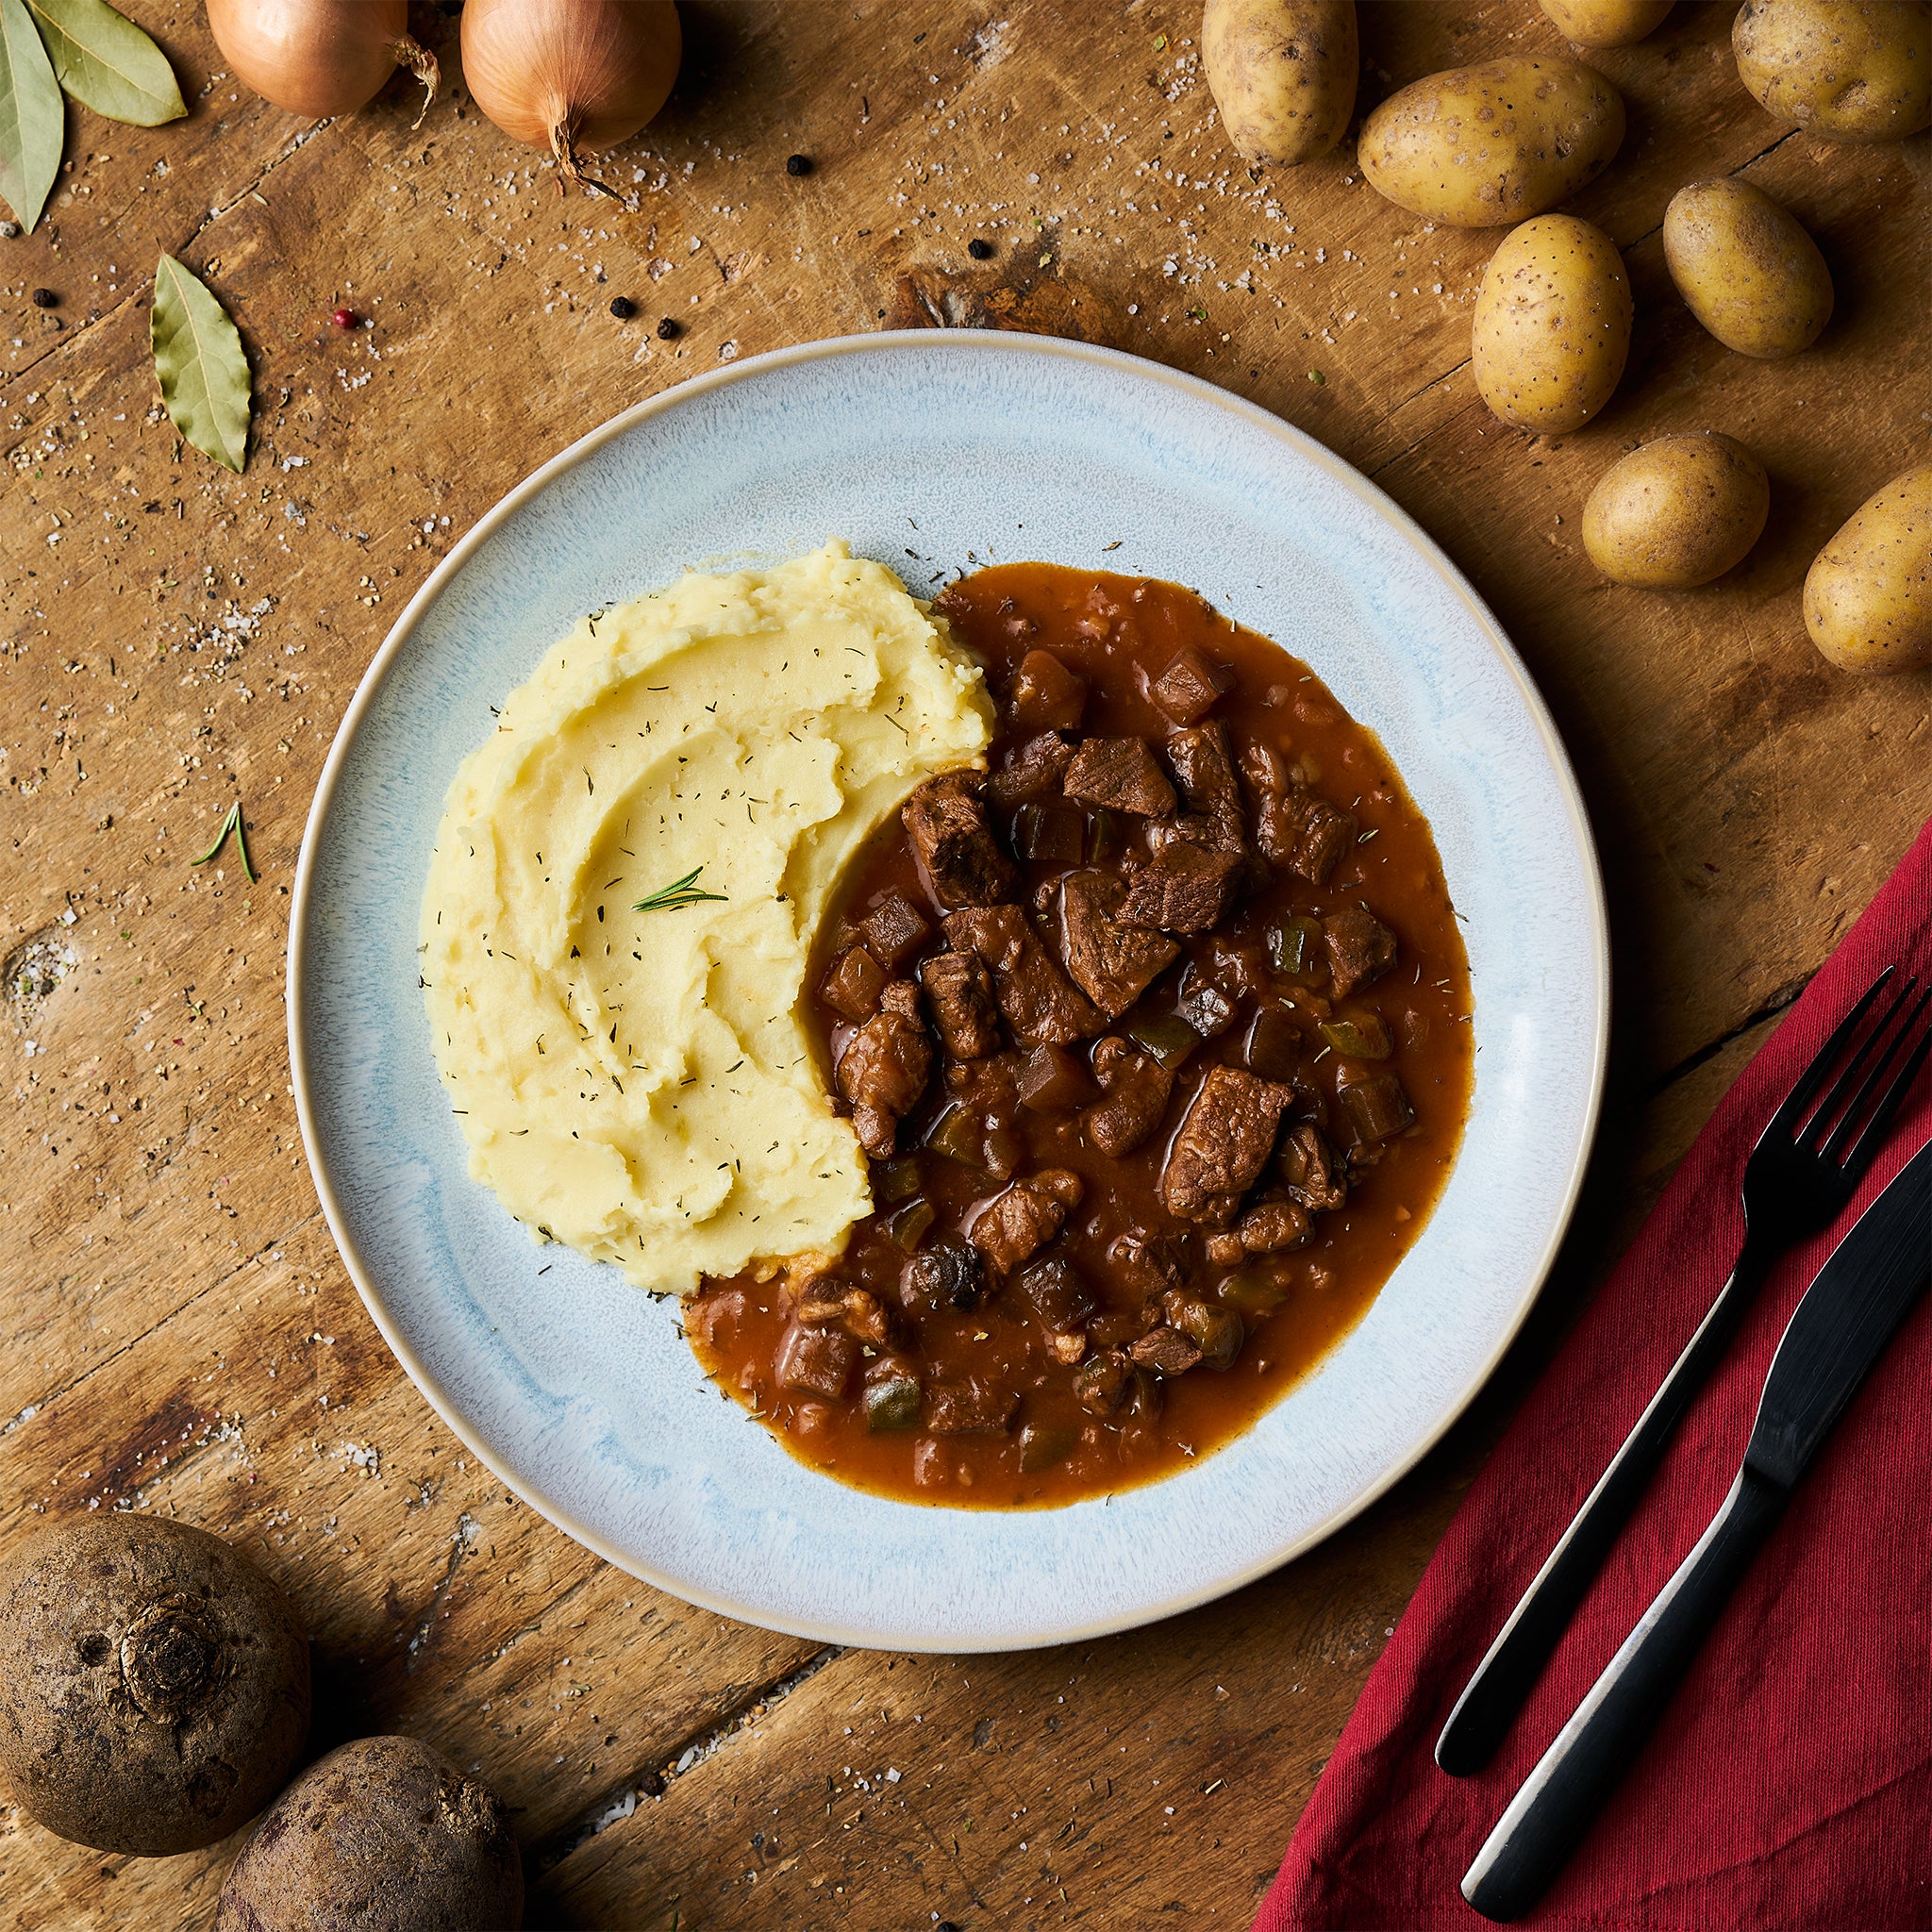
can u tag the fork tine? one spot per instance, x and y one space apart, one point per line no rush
1884 1113
1798 1102
1841 1101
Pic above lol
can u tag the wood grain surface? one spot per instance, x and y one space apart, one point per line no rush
179 1336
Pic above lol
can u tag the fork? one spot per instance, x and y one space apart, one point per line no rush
1804 1169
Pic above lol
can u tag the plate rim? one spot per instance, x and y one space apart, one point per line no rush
1200 390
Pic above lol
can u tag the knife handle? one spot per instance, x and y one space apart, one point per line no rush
1503 1681
1560 1800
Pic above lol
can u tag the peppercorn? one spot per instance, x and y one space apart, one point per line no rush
622 307
343 318
668 331
978 250
651 1785
45 298
798 164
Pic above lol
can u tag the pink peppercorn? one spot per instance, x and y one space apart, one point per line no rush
343 318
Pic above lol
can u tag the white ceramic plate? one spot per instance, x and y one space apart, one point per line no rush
932 451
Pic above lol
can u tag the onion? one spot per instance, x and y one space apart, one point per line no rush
572 76
320 58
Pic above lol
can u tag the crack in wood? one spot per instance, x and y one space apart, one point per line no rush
464 1538
1781 1002
621 1800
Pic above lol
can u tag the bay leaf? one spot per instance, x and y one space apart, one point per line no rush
33 122
199 363
107 64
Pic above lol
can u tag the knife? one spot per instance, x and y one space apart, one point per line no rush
1841 1328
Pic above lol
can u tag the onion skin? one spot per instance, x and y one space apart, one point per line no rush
572 76
319 57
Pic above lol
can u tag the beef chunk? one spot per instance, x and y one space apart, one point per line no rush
1264 771
1309 1172
1303 833
1150 1263
852 986
1100 1382
884 1068
1136 1086
1036 772
1112 963
1012 1228
1207 1008
1216 1332
1054 1080
1205 766
960 862
1189 688
971 1408
1165 1351
895 930
1046 694
1360 948
857 1310
1183 887
816 1361
960 989
1266 1229
1120 775
1223 1144
1037 999
1056 1293
948 1275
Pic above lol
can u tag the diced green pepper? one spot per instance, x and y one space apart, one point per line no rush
1166 1036
1362 1039
1043 1445
1294 947
909 1225
1106 836
957 1134
892 1180
1253 1292
892 1403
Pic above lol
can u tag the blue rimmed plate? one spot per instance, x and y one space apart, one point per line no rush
932 451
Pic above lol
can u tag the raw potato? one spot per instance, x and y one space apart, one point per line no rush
1606 23
384 1835
154 1684
1750 273
1676 513
1552 325
1479 146
1846 70
1283 73
1868 594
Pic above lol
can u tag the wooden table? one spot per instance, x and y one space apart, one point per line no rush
180 1334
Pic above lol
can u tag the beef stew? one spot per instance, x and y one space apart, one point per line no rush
1158 1035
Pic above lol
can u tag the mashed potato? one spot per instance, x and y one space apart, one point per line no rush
641 1083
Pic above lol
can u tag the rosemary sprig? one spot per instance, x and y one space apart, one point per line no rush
679 892
233 823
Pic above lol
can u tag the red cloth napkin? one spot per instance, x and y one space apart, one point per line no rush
1789 1784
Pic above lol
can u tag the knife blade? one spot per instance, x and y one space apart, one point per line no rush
1843 1324
1853 1309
